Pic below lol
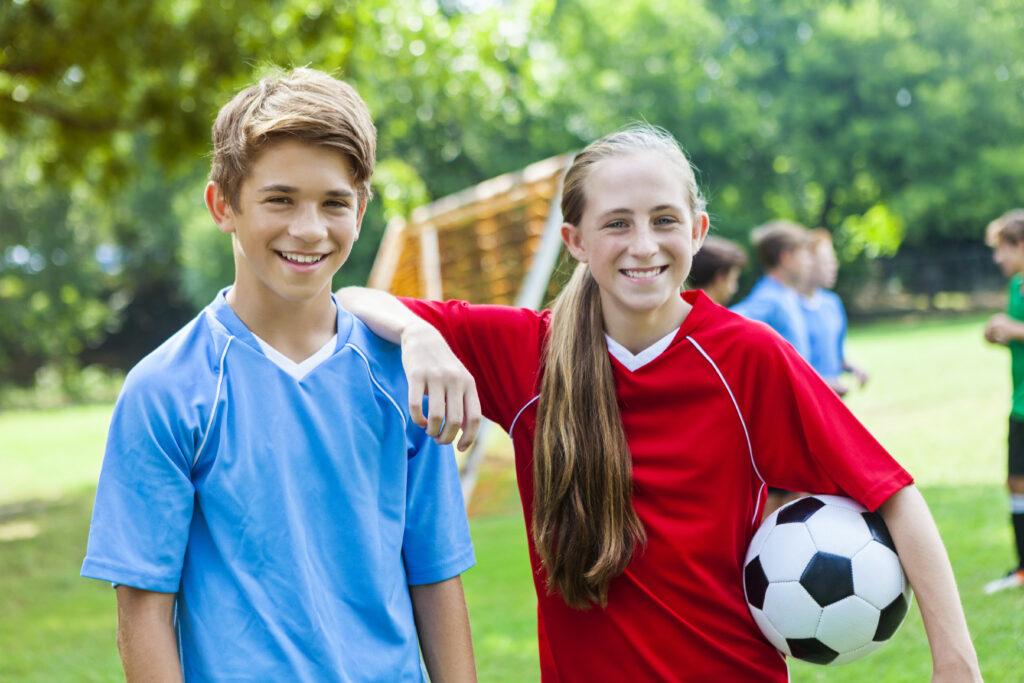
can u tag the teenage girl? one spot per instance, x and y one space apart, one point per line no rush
647 425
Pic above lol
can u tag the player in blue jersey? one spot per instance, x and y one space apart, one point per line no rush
826 316
781 248
267 509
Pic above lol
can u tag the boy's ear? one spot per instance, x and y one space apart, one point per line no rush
360 213
572 237
219 207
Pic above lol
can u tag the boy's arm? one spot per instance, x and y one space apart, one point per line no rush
1002 329
443 626
146 637
927 566
430 366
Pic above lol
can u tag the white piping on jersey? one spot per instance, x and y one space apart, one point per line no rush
373 379
516 418
743 423
216 401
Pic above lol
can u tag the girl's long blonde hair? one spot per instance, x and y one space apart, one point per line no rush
585 529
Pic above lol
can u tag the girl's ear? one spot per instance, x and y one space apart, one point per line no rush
573 239
701 224
219 207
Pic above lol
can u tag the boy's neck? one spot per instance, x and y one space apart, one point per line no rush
297 329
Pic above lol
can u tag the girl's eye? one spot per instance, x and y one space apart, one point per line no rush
616 224
666 220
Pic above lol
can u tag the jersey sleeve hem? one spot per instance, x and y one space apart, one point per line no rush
435 573
125 576
884 490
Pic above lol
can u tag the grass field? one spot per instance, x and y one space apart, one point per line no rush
937 399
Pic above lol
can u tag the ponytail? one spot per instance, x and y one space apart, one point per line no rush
584 526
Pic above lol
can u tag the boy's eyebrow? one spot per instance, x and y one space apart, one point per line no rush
288 189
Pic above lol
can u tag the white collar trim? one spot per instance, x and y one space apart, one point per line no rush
298 370
633 363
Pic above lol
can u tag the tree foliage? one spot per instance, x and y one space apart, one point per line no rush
889 122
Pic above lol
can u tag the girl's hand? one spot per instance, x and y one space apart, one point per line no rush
433 370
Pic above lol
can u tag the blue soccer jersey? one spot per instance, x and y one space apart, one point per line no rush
289 516
826 332
778 306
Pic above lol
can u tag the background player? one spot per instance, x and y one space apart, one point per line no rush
782 251
1006 237
826 315
645 426
265 502
716 269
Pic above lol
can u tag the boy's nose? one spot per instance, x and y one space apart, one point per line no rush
308 226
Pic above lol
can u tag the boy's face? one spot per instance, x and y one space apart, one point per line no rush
1009 257
796 265
826 266
297 219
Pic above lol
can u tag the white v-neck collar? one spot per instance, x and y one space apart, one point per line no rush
298 370
635 362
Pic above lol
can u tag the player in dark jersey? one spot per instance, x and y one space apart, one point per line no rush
1006 237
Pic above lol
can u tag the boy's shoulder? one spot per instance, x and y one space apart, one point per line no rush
383 359
185 361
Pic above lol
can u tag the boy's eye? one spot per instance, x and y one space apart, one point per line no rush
336 204
279 200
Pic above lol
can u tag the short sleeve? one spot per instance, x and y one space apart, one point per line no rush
144 500
805 439
501 347
436 545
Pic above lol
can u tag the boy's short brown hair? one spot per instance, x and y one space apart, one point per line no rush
775 238
302 104
716 255
1007 228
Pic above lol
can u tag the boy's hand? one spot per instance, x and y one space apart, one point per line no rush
433 370
997 329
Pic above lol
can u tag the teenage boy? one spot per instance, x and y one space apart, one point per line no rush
825 315
1006 237
267 509
782 251
716 269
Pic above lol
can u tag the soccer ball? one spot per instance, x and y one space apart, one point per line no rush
823 581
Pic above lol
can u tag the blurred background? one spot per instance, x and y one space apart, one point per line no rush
897 125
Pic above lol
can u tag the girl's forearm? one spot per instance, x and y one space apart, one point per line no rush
385 315
928 569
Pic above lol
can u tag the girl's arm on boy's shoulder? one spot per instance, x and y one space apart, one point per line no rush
443 626
431 367
927 567
146 637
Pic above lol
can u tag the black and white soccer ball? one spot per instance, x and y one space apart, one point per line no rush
823 580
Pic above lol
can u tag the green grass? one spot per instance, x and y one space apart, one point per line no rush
937 399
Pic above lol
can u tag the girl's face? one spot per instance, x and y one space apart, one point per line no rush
638 234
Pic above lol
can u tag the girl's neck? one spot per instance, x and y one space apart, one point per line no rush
297 329
637 331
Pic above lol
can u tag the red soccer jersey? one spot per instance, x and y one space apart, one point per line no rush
727 408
